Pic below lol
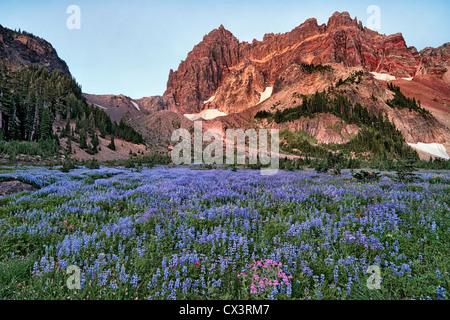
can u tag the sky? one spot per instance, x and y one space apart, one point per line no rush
128 47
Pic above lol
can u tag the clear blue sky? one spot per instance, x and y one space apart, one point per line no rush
129 46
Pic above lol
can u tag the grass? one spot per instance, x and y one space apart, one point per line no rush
13 272
296 137
137 234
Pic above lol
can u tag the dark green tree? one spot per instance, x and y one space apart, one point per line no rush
95 143
83 139
46 127
405 170
112 145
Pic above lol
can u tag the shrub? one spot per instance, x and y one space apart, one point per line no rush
322 167
366 176
92 164
68 165
112 145
405 170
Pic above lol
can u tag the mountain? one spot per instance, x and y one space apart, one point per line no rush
19 48
236 73
43 112
240 79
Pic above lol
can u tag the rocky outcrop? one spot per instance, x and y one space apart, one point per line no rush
240 78
14 186
204 70
325 128
229 75
434 61
25 49
121 106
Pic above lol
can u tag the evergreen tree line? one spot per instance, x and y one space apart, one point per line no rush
355 77
311 68
401 102
32 99
339 105
378 136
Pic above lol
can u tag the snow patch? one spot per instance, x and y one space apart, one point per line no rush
434 149
407 79
210 99
205 115
135 105
266 94
383 76
97 105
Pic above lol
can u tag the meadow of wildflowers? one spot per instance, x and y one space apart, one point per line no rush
190 234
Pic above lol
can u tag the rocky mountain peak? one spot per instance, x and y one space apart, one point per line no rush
231 76
341 19
222 75
219 33
23 48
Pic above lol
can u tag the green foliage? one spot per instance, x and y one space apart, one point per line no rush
434 164
31 98
112 145
324 102
95 142
68 165
337 170
67 129
322 167
130 164
287 164
46 129
366 176
306 148
311 68
300 210
12 272
405 170
355 77
83 139
401 102
43 148
149 160
69 146
333 162
378 137
92 164
380 144
353 163
127 133
263 114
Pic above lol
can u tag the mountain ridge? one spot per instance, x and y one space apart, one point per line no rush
339 41
238 78
23 48
340 60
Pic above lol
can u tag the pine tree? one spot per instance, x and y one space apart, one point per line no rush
112 145
91 123
83 139
69 146
46 125
103 128
405 170
95 143
67 129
